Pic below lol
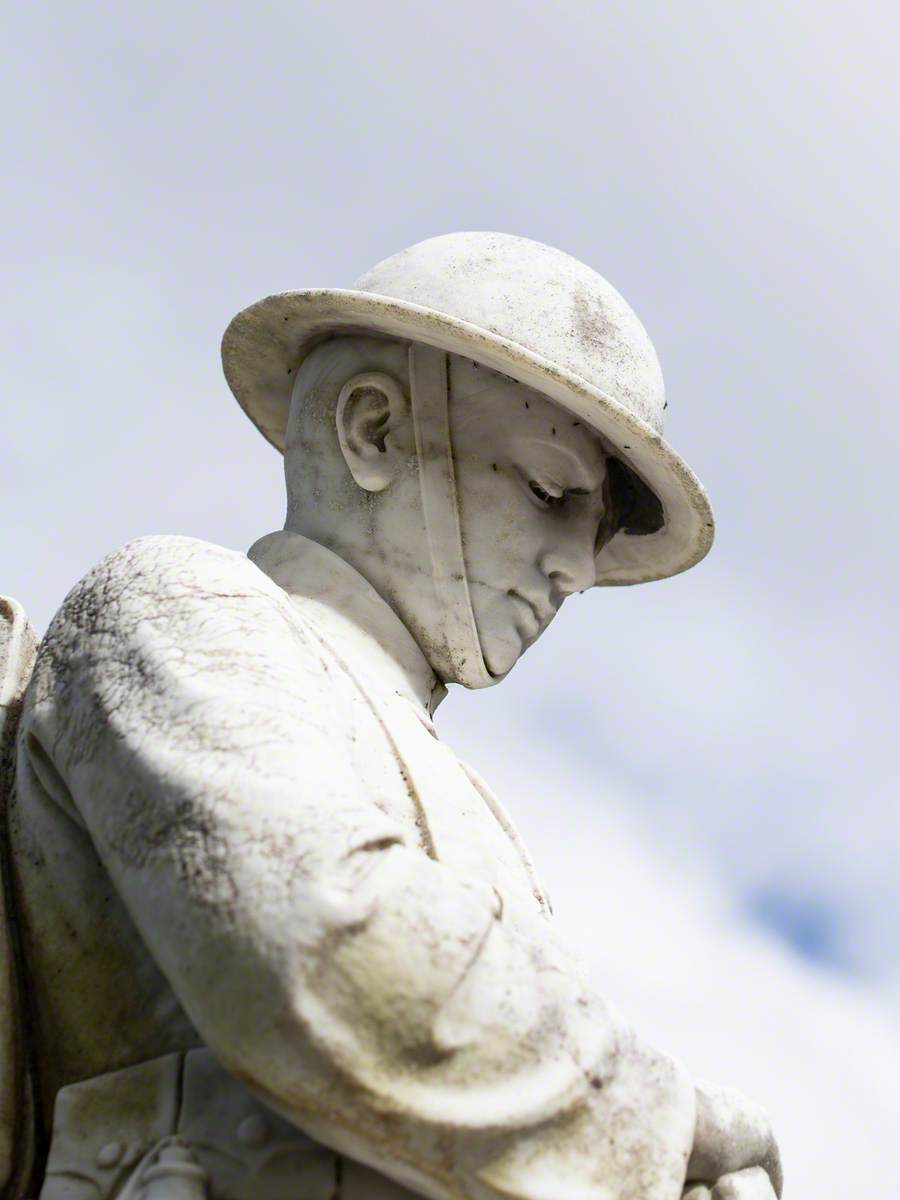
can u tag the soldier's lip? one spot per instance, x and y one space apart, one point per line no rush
540 618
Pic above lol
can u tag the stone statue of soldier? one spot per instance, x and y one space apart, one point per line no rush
265 935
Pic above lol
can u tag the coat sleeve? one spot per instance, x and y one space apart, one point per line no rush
363 989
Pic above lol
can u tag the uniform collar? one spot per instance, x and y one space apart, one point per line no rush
350 613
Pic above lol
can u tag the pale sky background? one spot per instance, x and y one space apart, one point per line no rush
706 769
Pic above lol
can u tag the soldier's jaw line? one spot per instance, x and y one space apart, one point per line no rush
508 626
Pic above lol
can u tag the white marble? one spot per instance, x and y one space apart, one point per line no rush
276 938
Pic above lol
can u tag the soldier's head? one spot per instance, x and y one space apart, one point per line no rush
475 427
534 495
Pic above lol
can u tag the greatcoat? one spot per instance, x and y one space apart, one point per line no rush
275 929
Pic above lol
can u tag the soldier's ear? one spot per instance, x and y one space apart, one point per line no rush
372 416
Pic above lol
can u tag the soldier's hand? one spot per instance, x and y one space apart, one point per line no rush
752 1184
734 1148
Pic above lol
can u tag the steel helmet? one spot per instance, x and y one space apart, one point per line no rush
528 311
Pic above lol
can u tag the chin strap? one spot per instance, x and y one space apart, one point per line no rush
458 659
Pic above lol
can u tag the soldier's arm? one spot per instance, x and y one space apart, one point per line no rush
366 991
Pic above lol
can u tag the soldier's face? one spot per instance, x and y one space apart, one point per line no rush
530 481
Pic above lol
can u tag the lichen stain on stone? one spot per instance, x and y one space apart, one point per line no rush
590 322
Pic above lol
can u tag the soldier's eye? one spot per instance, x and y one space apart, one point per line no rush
554 499
542 494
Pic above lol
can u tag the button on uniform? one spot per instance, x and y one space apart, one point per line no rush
253 1131
110 1155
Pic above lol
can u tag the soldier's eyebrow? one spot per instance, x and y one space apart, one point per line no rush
564 462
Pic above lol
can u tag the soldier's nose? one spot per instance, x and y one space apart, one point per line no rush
570 566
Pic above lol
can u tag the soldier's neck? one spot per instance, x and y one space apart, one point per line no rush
347 607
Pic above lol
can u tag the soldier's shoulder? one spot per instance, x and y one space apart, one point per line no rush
155 576
167 563
165 559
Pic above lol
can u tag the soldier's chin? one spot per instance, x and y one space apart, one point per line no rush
501 650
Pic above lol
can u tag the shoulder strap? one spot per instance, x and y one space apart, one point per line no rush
18 647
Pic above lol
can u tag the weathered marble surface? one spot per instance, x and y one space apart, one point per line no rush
18 646
278 940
